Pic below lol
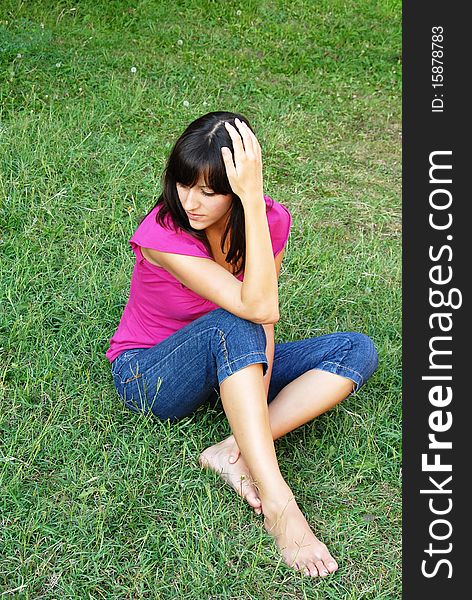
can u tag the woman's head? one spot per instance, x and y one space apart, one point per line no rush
195 180
197 153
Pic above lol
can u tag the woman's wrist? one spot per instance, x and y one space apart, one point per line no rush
255 200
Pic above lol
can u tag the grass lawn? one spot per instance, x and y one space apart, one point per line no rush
96 501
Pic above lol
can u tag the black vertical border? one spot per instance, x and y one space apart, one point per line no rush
425 132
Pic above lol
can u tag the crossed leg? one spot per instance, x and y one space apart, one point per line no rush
255 475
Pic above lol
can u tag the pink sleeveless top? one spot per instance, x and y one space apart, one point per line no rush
158 304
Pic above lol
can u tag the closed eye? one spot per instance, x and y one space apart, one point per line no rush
203 192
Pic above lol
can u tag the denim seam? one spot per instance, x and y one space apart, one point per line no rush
330 362
223 340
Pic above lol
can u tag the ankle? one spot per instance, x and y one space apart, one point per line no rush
277 501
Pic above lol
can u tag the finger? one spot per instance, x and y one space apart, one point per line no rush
255 142
237 142
228 161
245 134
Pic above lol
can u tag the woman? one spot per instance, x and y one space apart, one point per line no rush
200 321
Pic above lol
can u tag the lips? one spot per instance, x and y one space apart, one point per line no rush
194 215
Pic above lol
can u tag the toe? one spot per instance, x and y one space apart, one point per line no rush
253 500
331 565
329 561
322 570
302 568
312 568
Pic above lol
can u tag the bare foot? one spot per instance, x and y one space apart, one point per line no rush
299 546
236 475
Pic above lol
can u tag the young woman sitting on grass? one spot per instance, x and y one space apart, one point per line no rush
200 318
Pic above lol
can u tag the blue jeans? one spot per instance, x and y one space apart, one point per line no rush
184 371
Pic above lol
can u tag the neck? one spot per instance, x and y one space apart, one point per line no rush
215 232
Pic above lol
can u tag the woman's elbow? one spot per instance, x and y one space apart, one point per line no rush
266 317
273 318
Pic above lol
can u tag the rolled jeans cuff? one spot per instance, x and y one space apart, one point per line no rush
227 368
338 369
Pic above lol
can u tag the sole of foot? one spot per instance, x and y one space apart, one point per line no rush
236 475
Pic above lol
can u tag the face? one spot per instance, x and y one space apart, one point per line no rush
204 208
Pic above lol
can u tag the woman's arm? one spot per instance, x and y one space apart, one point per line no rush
245 177
256 298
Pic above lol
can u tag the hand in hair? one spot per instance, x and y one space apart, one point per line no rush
245 173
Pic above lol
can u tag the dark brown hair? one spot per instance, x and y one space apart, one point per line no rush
198 152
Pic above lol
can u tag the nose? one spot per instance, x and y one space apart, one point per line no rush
190 203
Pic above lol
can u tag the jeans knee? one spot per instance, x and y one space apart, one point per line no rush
236 341
233 326
366 352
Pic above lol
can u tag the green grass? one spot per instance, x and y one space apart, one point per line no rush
97 502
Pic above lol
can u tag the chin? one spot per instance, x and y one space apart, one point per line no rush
198 226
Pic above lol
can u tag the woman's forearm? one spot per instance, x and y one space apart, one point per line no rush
260 285
258 293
